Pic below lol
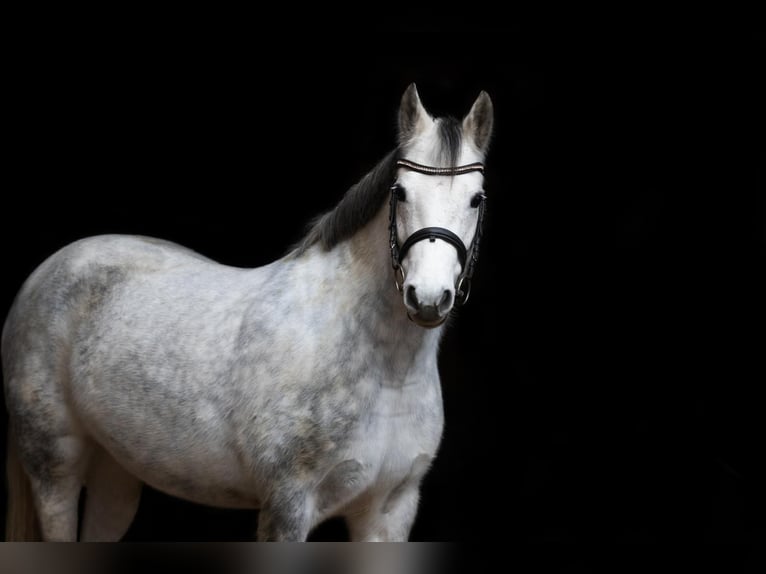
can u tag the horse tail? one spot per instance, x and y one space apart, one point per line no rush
21 524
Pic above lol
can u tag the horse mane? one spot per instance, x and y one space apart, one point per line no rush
363 200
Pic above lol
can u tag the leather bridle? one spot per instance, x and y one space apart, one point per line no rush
467 257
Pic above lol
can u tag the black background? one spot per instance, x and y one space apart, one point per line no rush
604 382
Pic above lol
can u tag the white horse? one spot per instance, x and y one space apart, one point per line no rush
307 388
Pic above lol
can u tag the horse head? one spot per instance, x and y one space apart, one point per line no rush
437 203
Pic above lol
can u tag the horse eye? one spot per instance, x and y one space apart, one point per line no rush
400 194
477 199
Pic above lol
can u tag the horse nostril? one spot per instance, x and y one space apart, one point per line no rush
446 301
410 298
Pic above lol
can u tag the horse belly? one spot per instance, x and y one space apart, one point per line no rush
204 471
182 447
152 391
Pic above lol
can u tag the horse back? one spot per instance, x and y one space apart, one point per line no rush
69 287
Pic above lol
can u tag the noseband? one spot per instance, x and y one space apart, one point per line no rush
467 257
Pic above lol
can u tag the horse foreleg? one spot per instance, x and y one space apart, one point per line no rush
286 517
388 520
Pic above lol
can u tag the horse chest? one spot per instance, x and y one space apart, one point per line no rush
395 438
395 443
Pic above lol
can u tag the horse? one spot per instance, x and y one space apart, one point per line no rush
307 388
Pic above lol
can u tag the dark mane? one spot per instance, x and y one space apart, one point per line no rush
358 207
364 199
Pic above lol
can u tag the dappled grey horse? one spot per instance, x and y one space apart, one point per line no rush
307 388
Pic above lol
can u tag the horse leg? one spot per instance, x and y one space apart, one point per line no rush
385 520
112 495
389 518
54 477
286 517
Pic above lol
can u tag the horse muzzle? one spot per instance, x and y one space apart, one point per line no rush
428 309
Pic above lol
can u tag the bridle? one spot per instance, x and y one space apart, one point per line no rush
467 257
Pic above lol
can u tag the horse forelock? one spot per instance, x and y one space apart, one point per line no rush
450 140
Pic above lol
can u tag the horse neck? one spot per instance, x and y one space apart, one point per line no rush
367 256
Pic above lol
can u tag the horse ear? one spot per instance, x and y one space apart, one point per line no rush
412 115
478 123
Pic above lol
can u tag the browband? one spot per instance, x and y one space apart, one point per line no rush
428 170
